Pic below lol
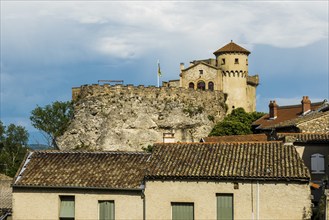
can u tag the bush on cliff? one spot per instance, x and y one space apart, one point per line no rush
237 123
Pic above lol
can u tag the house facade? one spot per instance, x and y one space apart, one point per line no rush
228 73
240 180
176 181
80 185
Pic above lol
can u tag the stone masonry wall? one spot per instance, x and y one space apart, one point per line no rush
129 117
317 125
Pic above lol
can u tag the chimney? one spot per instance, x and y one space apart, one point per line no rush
181 66
273 109
306 105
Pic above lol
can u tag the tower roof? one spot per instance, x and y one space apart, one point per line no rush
230 48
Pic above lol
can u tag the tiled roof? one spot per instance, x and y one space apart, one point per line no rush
199 63
114 170
230 48
287 116
4 177
306 137
237 138
227 161
5 193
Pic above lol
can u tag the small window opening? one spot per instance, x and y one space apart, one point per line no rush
201 85
211 86
236 61
223 61
201 72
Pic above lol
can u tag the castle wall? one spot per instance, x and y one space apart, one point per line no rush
251 98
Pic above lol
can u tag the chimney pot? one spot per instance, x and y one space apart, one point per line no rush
273 109
306 104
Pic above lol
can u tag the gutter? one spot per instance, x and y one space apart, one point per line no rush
5 215
75 187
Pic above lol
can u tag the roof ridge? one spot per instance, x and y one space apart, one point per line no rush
299 105
89 152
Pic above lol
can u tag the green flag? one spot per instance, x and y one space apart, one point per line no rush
159 70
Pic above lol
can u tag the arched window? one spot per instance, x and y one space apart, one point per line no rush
317 163
201 85
191 85
211 86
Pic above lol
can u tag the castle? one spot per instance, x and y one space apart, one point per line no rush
130 117
227 73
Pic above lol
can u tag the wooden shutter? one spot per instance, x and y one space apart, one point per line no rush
321 164
317 163
182 211
224 207
67 207
106 210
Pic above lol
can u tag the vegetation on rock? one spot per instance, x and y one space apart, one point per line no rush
237 123
53 120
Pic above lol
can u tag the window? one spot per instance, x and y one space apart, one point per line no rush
223 61
201 85
236 61
317 163
201 72
66 208
191 85
182 211
211 86
106 210
224 206
247 62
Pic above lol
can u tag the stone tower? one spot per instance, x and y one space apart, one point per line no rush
227 73
232 63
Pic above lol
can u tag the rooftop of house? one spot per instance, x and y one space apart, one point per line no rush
5 193
269 160
76 169
236 138
305 137
286 116
231 47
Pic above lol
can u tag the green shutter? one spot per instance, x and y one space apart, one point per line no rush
182 211
106 210
67 207
224 207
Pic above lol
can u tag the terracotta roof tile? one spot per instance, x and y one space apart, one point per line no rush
115 170
223 161
5 193
286 116
306 137
230 48
237 138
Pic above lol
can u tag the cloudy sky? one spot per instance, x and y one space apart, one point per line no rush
47 47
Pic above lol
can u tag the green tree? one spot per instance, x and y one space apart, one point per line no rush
237 123
53 120
13 142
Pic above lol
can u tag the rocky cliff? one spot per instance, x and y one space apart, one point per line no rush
129 118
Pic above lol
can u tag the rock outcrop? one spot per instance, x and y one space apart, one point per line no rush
130 118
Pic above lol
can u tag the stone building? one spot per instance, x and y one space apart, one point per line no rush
227 73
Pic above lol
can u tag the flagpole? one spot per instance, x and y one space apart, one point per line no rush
158 73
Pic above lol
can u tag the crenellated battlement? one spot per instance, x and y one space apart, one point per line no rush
151 92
